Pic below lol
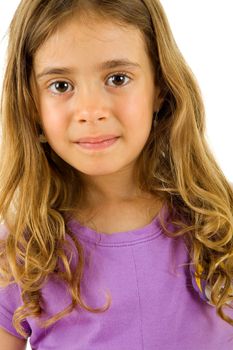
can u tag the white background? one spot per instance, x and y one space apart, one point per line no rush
203 31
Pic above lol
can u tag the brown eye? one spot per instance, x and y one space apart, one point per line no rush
118 79
60 87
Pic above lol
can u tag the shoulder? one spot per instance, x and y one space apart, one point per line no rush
3 231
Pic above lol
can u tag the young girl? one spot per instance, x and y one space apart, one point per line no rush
117 225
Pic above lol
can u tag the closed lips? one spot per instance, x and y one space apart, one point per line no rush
97 139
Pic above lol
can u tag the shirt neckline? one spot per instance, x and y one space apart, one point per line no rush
119 238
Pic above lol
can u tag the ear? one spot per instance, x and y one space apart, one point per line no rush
158 100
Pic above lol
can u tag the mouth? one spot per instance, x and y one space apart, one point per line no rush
97 145
96 139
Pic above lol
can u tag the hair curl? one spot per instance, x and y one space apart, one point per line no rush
176 163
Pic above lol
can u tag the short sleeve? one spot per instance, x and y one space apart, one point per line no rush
9 302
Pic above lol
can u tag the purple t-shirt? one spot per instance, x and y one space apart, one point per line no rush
155 301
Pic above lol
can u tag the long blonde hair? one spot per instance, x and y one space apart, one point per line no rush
176 163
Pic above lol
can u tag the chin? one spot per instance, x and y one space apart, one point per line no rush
98 171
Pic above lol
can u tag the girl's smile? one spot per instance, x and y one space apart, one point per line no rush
98 145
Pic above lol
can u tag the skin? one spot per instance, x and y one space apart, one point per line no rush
96 102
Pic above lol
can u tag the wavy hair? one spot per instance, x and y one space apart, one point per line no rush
176 163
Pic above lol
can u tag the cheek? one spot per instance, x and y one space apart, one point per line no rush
53 117
136 112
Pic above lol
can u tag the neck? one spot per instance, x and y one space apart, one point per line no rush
111 188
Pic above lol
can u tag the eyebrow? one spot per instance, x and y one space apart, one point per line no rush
110 64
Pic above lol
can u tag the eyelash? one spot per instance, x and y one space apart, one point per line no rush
63 81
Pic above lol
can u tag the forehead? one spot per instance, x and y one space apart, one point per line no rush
91 41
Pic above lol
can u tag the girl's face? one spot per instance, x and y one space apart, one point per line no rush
95 78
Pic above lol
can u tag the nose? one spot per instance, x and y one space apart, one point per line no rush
90 105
